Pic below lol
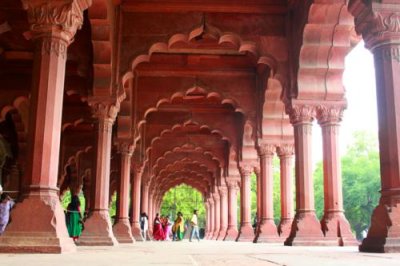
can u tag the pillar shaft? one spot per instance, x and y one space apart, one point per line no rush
377 21
122 228
232 232
246 232
285 153
212 217
306 229
39 221
267 231
207 232
334 223
135 198
98 230
217 214
145 198
223 191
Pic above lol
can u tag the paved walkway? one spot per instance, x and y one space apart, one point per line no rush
204 253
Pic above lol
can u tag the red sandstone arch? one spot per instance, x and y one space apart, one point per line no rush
327 38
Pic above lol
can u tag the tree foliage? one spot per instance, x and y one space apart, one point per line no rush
185 199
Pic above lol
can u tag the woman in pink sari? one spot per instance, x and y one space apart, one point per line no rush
158 232
167 228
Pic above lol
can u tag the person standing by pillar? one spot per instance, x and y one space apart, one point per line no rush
195 226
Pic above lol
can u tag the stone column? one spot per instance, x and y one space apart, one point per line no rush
306 229
207 232
257 171
223 192
145 198
334 223
232 232
378 22
98 230
285 153
217 214
151 215
38 223
122 228
267 231
212 217
135 203
246 232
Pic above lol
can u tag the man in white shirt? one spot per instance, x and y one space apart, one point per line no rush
195 226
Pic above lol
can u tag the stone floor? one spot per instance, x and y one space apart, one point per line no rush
205 253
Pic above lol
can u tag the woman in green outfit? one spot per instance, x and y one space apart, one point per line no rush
74 218
178 229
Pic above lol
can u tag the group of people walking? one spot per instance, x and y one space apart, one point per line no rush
163 227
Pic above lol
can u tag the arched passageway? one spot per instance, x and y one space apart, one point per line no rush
134 98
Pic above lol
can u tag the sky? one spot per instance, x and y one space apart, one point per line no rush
361 112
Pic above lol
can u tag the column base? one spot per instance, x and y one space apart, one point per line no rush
37 226
122 231
284 228
98 230
136 232
384 234
221 234
267 233
306 231
334 224
231 234
215 235
246 233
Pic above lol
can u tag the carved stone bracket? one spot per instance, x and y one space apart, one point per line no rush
377 21
55 18
246 170
232 184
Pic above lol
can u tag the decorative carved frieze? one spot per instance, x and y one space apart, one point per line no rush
377 21
56 18
285 150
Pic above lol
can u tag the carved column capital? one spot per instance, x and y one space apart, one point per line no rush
55 18
286 150
377 21
216 195
257 171
329 114
125 148
223 191
246 170
301 113
232 184
266 149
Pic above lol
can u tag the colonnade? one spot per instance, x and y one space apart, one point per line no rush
48 233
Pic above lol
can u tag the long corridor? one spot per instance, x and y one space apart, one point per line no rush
204 253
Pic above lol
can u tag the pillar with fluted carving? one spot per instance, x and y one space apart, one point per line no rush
334 223
267 231
207 229
223 192
122 228
98 230
39 222
232 232
285 153
246 232
217 213
212 216
151 214
135 204
306 229
378 22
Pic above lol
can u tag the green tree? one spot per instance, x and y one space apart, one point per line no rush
361 181
185 199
